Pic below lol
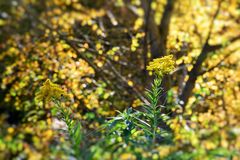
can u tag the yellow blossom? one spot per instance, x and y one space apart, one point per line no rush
50 90
162 66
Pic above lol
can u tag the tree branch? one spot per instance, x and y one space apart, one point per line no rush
158 34
164 26
145 40
193 74
97 69
215 47
217 65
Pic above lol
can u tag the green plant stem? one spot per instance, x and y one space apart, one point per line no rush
155 89
154 126
71 127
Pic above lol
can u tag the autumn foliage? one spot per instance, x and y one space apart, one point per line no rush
120 79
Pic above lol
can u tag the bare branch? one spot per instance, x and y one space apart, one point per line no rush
213 19
218 64
145 41
164 26
153 33
194 73
97 69
215 47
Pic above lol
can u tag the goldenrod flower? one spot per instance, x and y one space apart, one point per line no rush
50 90
162 66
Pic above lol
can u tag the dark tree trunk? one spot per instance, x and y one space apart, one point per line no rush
164 26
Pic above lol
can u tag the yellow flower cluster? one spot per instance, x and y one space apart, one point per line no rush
50 90
162 66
